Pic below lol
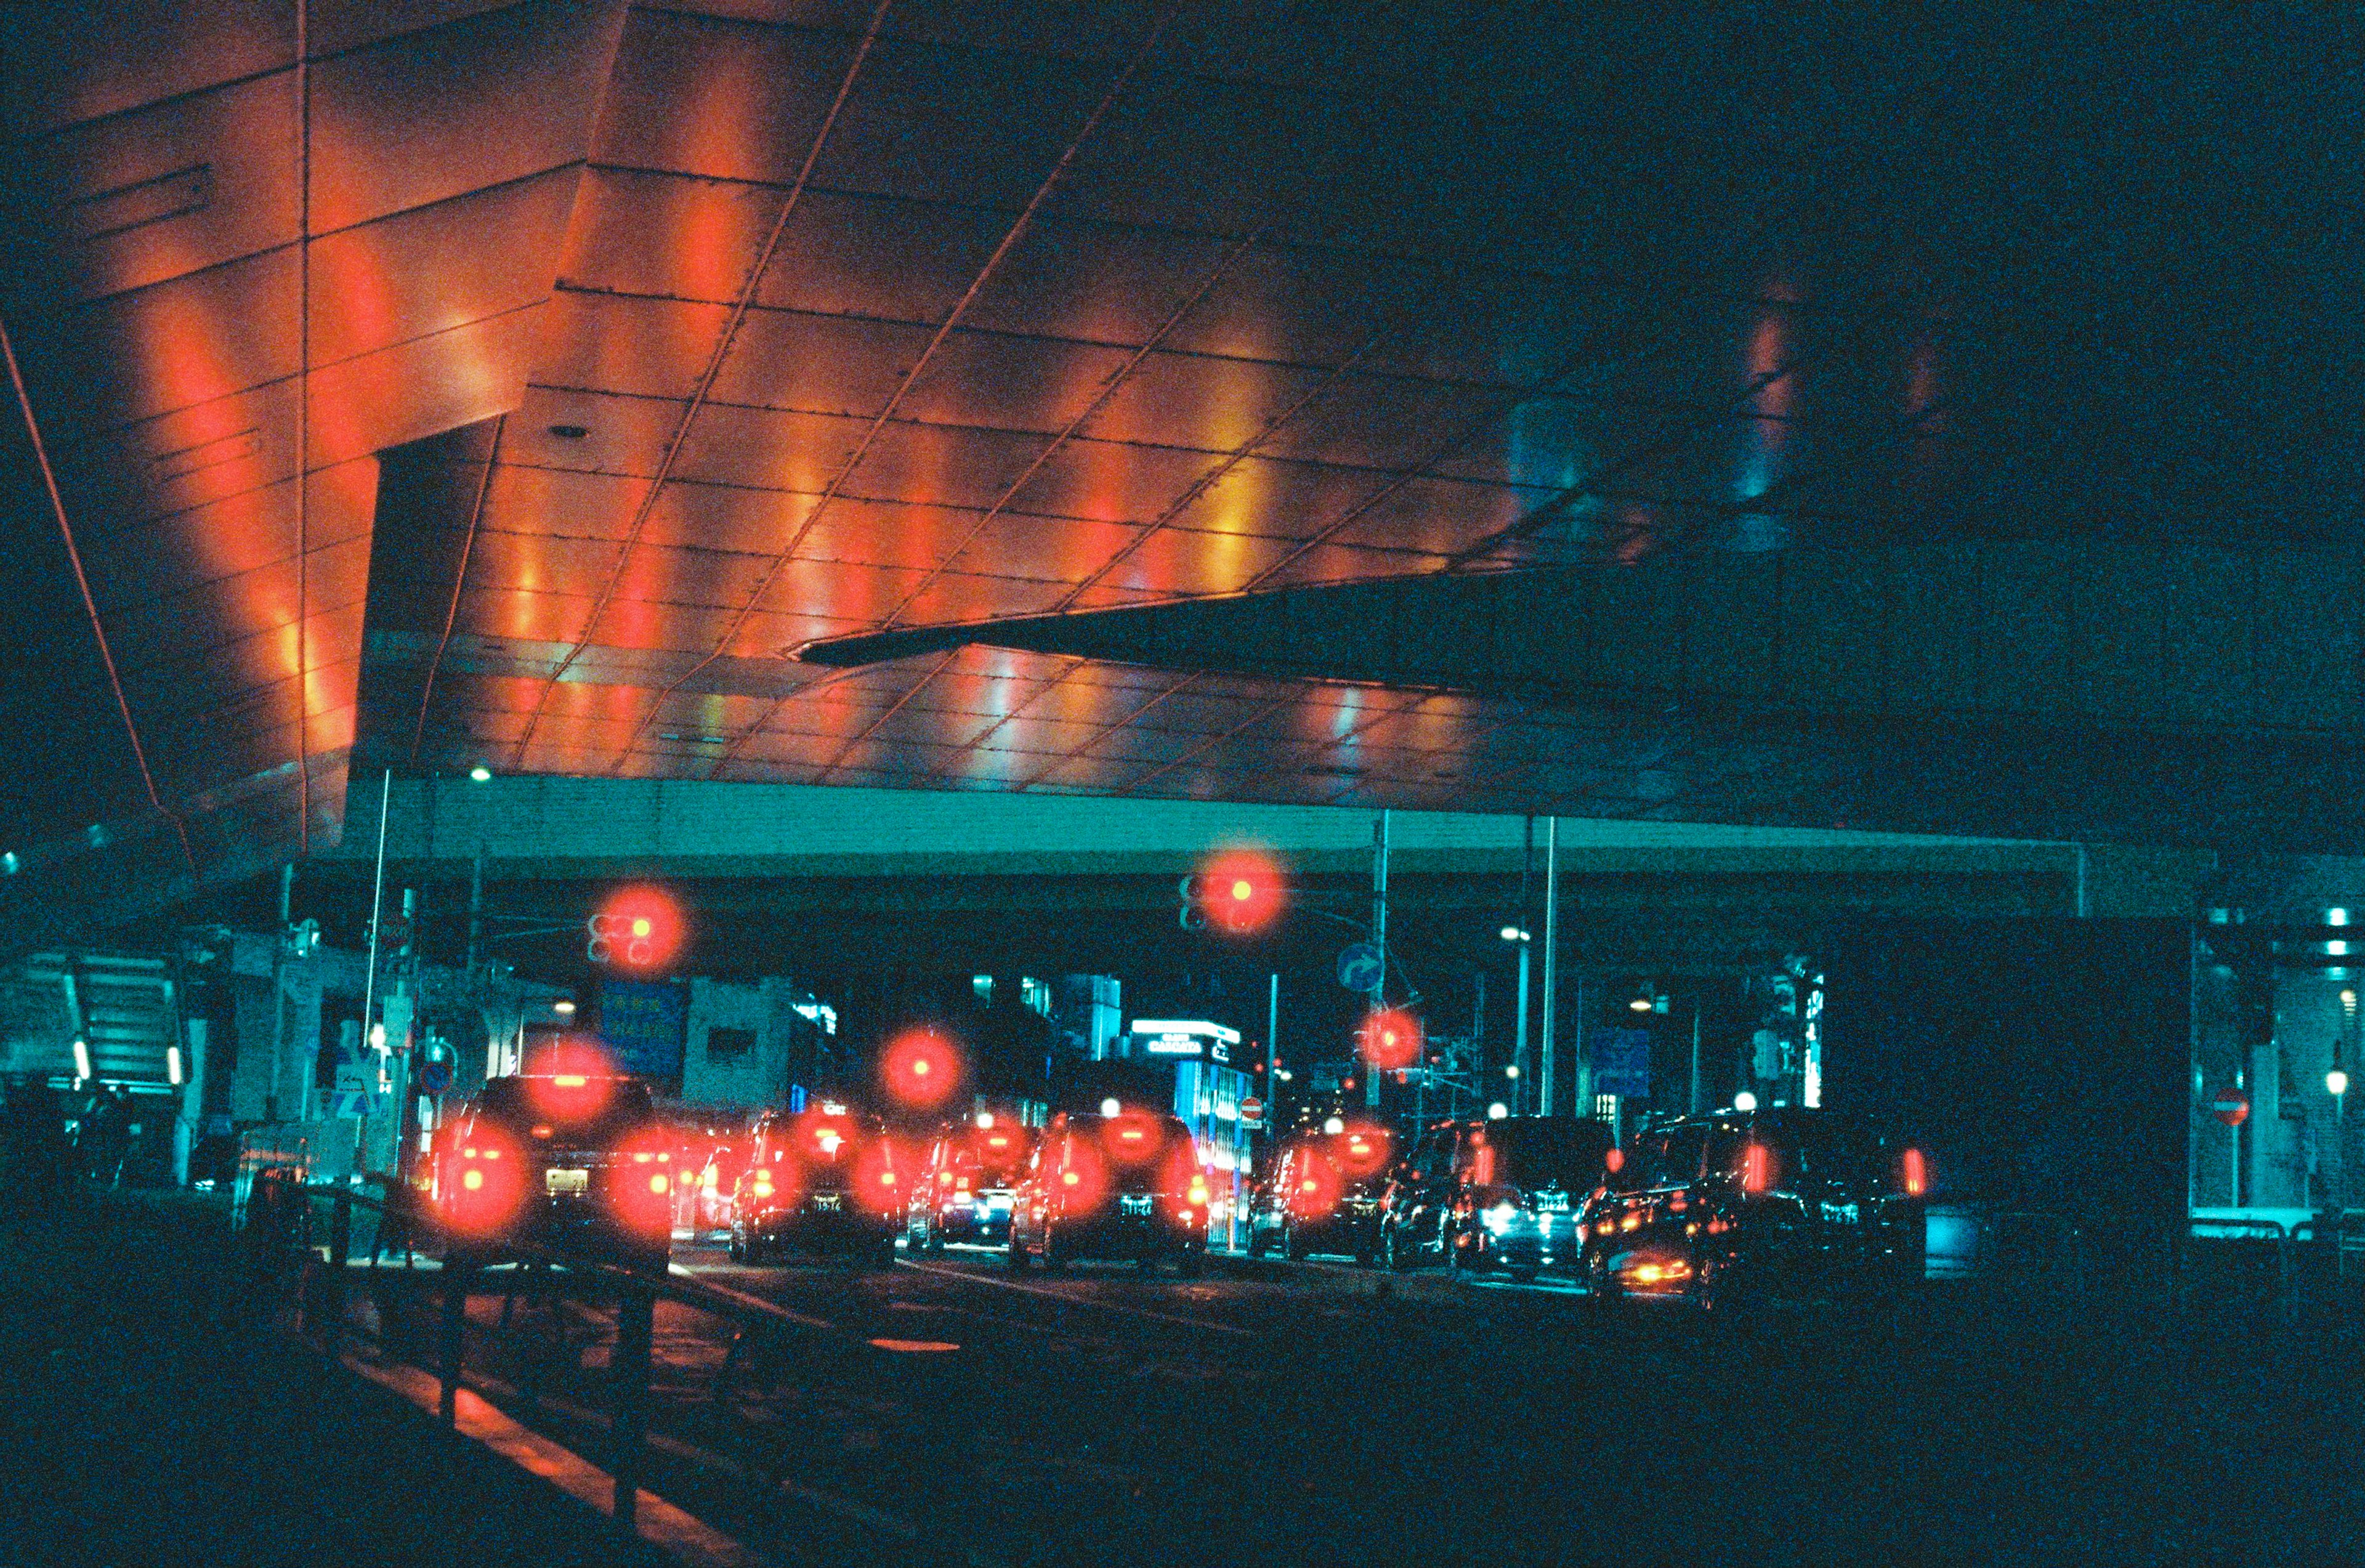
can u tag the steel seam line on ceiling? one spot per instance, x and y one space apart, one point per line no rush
459 583
1017 232
89 604
1109 388
757 267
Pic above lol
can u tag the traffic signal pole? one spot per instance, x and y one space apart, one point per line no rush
1379 940
1551 951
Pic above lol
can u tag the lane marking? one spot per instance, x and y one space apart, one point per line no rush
744 1298
1064 1299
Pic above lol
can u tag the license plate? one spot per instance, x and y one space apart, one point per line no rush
1143 1204
568 1184
1551 1203
829 1201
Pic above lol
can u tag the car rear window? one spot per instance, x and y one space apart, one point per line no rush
1539 1154
521 1105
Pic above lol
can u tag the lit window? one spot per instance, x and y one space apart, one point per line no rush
1605 1107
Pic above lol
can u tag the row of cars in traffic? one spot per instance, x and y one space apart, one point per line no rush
1707 1208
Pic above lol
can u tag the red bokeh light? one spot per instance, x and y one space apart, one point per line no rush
641 1183
571 1080
1182 1170
483 1207
921 1069
1084 1184
882 1176
1315 1188
1133 1137
1241 891
639 929
1392 1038
1361 1151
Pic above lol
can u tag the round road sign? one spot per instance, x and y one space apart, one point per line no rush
2231 1106
1360 967
435 1077
1251 1109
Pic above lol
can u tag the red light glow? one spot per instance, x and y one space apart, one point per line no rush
1614 1160
920 1068
1392 1038
642 1204
1917 1173
638 929
1756 1168
571 1080
1133 1137
483 1207
1361 1151
880 1172
1318 1189
1084 1181
1242 890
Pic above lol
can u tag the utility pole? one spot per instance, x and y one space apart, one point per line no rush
1693 1103
1380 941
1272 1057
1552 953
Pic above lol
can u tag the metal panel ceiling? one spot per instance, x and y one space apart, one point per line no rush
769 321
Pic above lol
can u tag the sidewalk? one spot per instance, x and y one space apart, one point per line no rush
147 1417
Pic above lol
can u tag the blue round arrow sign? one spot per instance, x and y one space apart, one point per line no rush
1360 967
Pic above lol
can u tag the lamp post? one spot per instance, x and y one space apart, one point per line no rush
1519 1046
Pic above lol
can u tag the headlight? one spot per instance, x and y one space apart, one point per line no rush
1499 1217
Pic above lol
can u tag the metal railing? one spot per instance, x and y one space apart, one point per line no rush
294 1256
2226 1259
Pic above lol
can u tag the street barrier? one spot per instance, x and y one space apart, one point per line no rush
298 1258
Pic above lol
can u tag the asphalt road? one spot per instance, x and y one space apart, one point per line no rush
947 1410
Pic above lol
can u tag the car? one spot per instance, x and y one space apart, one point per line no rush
575 1162
1727 1210
965 1189
827 1179
1494 1194
1323 1195
1127 1185
716 1182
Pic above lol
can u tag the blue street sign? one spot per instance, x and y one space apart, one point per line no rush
435 1077
1621 1062
1360 967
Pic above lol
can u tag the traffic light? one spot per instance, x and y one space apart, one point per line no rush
1390 1039
638 929
1237 891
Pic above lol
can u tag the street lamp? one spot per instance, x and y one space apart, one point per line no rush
1334 1123
480 773
1745 1100
2336 1082
1514 932
1498 1111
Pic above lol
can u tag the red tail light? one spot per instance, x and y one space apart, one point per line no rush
1756 1168
1614 1160
642 1199
487 1187
1916 1173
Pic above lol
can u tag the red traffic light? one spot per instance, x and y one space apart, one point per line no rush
1390 1038
638 929
921 1069
1237 891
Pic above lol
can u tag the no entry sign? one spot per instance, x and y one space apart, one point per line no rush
1251 1110
2230 1106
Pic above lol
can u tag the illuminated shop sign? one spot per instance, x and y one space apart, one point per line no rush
1184 1037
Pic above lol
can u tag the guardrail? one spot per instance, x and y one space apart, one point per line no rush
2236 1240
291 1256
